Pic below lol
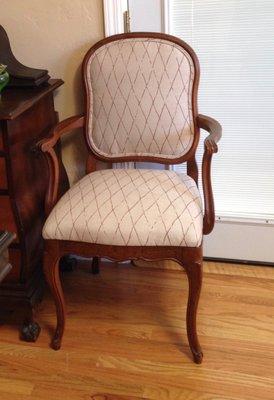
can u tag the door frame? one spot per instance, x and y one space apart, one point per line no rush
113 16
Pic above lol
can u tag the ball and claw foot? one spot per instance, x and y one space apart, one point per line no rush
197 357
30 331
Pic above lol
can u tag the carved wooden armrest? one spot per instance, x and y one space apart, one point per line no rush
210 147
46 146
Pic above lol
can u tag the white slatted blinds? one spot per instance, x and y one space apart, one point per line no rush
234 40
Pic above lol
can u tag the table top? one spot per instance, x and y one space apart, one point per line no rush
14 101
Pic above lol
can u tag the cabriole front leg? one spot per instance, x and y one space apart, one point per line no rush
194 274
52 274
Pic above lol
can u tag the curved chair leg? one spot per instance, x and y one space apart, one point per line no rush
194 274
95 265
51 271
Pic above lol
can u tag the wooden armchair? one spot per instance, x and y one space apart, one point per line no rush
141 105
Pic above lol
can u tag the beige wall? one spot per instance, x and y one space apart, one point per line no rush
55 34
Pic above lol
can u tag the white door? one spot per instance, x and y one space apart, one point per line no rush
234 43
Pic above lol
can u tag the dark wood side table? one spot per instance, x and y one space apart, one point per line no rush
5 267
26 116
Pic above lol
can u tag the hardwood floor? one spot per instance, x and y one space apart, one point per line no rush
125 338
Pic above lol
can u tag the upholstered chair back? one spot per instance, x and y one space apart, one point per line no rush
140 97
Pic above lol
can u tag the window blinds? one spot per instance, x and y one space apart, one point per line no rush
234 41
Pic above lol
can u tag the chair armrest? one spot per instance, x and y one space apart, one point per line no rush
63 127
210 147
46 146
215 132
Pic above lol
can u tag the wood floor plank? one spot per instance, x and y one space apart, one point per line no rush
126 338
171 393
15 387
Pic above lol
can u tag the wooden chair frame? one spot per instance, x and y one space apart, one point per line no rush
190 258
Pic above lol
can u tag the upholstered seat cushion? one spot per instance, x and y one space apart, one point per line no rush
131 207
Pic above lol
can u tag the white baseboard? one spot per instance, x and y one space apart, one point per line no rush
241 241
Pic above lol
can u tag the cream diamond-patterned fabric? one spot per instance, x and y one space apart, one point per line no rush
141 98
129 207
